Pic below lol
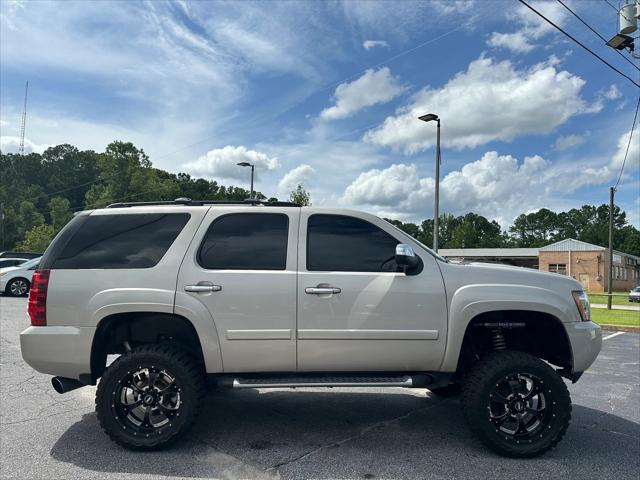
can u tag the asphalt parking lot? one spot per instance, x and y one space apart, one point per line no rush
312 433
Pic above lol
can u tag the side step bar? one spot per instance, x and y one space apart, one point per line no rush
328 381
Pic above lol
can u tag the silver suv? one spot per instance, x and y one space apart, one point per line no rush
197 294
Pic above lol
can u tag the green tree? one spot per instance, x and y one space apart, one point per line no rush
29 217
60 212
37 239
300 196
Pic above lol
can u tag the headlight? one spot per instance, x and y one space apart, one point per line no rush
582 302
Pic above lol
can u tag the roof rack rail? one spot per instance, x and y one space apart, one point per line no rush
195 203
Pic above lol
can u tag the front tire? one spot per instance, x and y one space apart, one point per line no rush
150 397
516 404
18 287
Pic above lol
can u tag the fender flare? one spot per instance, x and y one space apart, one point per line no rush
470 301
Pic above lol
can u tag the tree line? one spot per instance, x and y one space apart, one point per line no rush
39 194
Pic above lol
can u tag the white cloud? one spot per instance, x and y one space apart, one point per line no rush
372 88
11 144
530 27
565 142
222 163
495 185
489 101
369 44
299 175
516 42
633 157
613 93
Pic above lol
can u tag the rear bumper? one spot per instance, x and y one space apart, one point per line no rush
60 351
586 340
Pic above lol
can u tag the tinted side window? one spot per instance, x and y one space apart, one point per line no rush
348 244
120 241
246 241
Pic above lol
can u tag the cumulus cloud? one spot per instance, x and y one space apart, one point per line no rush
566 142
495 185
489 101
296 176
11 144
222 163
633 157
369 44
529 26
372 88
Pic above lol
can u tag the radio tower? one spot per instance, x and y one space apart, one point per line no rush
24 120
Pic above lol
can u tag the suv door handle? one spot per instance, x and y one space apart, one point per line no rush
322 290
202 288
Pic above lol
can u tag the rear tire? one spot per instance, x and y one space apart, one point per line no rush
18 287
150 397
516 404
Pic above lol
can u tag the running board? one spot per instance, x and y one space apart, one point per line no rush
328 381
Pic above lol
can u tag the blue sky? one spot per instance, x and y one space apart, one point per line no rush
327 93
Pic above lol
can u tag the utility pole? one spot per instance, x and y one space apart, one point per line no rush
612 191
24 120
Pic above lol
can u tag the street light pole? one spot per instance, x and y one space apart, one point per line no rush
247 164
436 215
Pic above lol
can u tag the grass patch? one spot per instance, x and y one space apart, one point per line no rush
616 317
615 300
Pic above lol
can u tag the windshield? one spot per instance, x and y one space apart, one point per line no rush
406 235
30 263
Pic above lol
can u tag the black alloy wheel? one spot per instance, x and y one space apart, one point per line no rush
516 404
150 397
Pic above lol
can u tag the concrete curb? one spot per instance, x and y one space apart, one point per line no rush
620 328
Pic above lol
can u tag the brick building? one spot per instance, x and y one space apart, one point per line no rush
587 263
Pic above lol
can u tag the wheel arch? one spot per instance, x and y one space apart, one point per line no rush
538 333
138 328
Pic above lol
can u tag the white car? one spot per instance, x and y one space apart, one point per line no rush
15 281
11 262
634 295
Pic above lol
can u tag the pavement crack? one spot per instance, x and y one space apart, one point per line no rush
384 423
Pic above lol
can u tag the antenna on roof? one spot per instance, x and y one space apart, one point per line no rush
24 120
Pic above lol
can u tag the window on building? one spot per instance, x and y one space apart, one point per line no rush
347 244
560 268
246 241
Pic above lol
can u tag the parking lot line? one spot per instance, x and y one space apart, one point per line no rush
613 335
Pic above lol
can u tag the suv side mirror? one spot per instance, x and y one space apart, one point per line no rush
405 257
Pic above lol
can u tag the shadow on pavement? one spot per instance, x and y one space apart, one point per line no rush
249 434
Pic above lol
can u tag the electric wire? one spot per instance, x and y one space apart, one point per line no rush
568 35
624 161
594 31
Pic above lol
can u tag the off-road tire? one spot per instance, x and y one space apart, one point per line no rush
189 375
476 399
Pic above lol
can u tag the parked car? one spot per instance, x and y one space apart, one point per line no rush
16 281
274 295
11 262
634 295
27 255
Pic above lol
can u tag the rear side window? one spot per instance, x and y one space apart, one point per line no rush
118 241
246 241
347 244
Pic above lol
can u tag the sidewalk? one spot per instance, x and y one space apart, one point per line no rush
617 307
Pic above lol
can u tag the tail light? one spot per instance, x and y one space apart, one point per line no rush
38 298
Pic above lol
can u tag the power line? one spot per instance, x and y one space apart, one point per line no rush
633 126
594 31
617 10
579 43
